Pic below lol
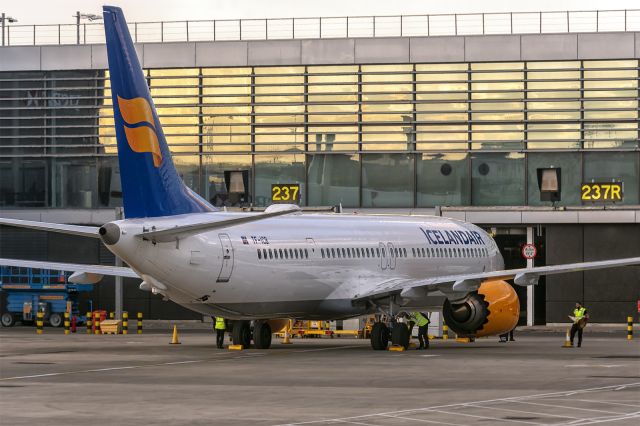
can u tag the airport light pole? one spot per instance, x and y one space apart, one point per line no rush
89 16
4 19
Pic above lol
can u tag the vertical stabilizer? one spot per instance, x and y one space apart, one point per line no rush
151 185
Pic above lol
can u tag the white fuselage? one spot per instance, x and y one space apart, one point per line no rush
299 265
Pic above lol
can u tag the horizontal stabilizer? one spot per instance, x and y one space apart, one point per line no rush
177 232
61 228
115 271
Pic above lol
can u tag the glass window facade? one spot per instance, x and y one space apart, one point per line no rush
403 135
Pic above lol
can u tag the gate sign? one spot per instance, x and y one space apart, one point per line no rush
529 251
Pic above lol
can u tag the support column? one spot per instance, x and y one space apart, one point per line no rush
118 295
531 288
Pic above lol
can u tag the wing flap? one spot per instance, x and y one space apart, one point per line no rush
465 282
61 228
115 271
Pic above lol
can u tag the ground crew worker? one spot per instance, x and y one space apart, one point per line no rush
580 318
220 328
422 321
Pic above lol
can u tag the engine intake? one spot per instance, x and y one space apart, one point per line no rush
493 309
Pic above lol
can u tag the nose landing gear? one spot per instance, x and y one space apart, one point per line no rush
381 334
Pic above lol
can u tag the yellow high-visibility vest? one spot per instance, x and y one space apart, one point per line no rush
420 319
579 313
220 325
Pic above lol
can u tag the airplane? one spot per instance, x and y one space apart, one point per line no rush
262 269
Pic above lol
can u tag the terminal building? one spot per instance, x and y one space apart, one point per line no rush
464 126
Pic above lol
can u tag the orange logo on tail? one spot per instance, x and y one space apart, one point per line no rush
143 138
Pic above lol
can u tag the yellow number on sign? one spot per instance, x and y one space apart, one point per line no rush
586 190
276 193
295 192
596 189
606 188
615 192
286 194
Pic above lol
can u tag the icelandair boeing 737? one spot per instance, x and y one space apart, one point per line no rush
262 269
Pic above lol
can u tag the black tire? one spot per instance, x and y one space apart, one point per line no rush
241 334
379 336
262 335
8 320
400 335
55 320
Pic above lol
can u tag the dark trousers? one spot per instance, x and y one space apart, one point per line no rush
220 338
575 328
507 336
422 336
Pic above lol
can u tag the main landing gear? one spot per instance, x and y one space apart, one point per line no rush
380 335
242 334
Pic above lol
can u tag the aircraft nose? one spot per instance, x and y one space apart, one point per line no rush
109 233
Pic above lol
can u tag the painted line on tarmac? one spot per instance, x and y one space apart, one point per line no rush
609 402
428 356
413 419
325 349
606 419
567 407
463 404
522 411
126 367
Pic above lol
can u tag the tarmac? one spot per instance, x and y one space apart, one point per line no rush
56 379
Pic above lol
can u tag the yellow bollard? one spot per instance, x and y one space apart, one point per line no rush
139 322
445 331
67 324
629 328
89 323
125 322
174 338
112 315
96 320
39 322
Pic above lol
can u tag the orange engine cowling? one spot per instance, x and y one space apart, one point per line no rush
493 309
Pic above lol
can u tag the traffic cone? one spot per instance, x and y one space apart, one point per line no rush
174 339
567 340
287 334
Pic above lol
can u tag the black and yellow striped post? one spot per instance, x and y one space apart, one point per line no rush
89 322
125 322
39 322
112 315
67 323
139 322
629 328
445 331
96 320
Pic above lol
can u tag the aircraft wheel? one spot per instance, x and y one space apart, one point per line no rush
55 320
400 335
262 335
8 320
379 336
241 334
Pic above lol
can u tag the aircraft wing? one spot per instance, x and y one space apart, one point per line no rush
116 271
83 231
411 288
181 231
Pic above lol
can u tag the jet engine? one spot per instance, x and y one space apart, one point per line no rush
493 309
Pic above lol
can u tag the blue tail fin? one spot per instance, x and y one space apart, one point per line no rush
151 185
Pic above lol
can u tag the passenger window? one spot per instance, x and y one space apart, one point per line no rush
270 254
297 253
322 252
423 253
367 251
259 254
306 253
413 251
286 255
344 253
333 253
275 253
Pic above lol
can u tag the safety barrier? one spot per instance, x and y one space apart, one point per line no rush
89 322
96 320
139 322
629 328
125 322
67 323
39 322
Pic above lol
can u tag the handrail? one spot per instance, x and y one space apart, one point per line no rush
334 27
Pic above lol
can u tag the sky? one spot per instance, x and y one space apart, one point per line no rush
30 12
